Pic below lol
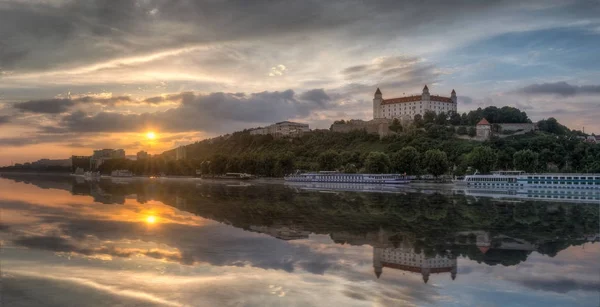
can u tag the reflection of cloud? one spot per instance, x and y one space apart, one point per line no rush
558 284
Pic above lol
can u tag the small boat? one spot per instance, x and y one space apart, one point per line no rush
121 173
337 177
234 176
91 175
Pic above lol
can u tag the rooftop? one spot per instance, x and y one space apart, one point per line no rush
483 121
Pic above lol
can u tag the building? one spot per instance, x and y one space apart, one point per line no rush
180 153
100 156
281 129
409 106
142 155
484 129
380 126
405 258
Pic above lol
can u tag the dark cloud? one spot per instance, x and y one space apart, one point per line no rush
47 106
56 106
560 88
317 95
464 100
559 285
4 119
212 112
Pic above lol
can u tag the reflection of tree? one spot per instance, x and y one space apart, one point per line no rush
526 214
431 220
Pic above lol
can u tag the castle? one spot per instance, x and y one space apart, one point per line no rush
409 106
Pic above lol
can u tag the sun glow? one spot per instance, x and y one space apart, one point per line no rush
151 219
150 135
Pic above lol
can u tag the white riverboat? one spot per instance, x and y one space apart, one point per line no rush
121 173
522 181
337 177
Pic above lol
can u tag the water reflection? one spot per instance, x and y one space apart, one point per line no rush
372 247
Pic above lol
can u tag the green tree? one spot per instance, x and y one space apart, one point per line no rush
526 160
406 160
429 117
395 126
472 131
483 158
435 162
418 121
441 119
462 130
454 119
377 163
329 160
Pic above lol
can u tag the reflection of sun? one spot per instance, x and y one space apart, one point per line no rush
151 219
150 135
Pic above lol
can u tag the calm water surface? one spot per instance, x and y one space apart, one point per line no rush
143 242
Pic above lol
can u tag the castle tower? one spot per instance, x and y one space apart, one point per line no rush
377 100
454 268
453 97
377 265
425 96
425 272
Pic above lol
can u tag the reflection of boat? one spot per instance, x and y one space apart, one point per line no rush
121 173
336 177
521 180
91 175
560 195
236 176
344 187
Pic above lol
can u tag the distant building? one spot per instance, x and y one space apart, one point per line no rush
180 153
142 155
484 129
281 129
100 156
380 126
409 106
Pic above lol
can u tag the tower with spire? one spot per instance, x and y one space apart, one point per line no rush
377 100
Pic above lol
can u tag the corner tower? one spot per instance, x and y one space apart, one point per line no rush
425 96
377 100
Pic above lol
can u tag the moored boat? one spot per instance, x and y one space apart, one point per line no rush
338 177
522 180
121 173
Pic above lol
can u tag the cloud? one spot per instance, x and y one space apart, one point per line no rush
561 89
277 70
558 284
62 105
4 119
47 106
211 112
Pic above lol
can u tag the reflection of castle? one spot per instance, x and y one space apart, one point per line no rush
405 258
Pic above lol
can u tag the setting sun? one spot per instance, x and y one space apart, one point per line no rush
151 219
150 135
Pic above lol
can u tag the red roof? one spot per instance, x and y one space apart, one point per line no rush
483 249
440 98
483 121
416 269
402 99
415 99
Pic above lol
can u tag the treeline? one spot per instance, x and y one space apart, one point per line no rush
430 149
493 115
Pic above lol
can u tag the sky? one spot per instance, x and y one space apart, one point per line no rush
82 75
